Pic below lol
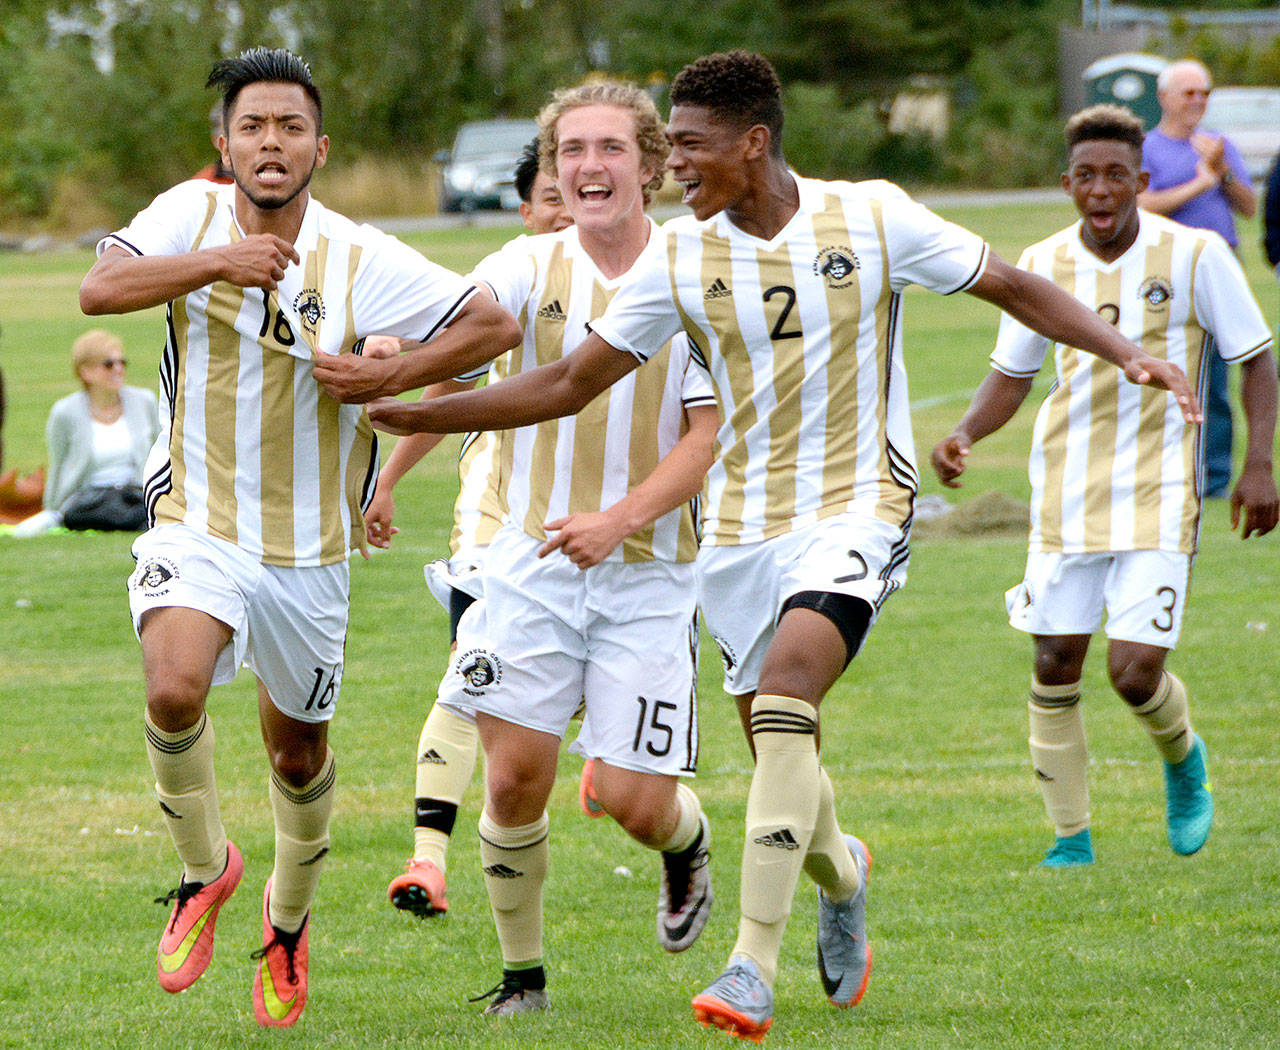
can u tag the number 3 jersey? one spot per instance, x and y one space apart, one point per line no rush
254 451
802 337
1114 467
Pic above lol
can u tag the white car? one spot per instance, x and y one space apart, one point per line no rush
479 171
1250 118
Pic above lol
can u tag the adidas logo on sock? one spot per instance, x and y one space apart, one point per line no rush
170 813
781 839
717 290
324 852
431 757
552 311
501 871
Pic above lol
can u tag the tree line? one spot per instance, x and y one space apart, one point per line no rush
105 98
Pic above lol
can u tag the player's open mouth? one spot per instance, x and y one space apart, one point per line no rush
595 192
1102 221
271 173
690 188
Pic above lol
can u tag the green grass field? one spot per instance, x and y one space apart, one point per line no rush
924 738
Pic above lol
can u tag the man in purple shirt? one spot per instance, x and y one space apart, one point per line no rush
1198 179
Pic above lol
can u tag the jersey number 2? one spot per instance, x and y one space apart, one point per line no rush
780 326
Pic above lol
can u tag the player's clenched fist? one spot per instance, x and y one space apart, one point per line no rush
257 261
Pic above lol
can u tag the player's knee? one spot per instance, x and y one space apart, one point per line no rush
1057 666
175 700
297 765
1136 677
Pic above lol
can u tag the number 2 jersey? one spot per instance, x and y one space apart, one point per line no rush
802 335
1114 466
254 451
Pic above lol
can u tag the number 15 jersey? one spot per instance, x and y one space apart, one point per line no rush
802 337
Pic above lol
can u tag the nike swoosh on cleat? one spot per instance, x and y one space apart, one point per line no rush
170 962
276 1009
677 933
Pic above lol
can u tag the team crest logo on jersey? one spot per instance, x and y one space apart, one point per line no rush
310 307
480 669
152 577
1156 292
836 265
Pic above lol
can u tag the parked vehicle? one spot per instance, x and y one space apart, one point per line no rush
1250 118
477 172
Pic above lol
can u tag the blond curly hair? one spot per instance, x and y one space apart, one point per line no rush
651 132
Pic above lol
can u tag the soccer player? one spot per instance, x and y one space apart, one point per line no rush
612 622
446 754
790 288
1117 473
256 486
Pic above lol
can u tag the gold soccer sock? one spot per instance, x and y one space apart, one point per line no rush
1060 755
688 823
1167 719
446 761
188 794
782 808
302 840
829 862
515 867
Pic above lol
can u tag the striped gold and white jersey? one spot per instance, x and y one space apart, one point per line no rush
1114 467
254 451
802 336
588 462
481 506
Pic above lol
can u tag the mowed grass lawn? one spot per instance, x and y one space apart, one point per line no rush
924 738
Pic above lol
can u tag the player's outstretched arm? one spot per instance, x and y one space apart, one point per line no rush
994 403
1255 489
1044 307
561 388
120 283
409 450
586 539
481 331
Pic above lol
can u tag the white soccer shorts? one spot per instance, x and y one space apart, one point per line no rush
1143 594
742 589
548 636
289 625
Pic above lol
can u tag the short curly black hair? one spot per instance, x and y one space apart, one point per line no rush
1104 121
739 87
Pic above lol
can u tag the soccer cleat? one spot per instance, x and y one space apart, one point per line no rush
844 956
586 794
186 946
511 997
684 892
1070 851
280 978
1188 800
738 1001
419 890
